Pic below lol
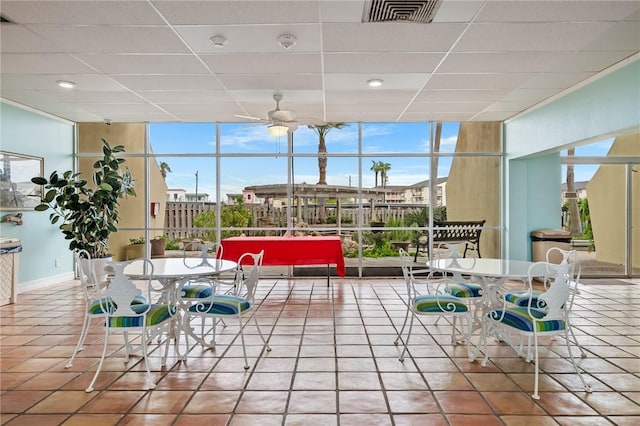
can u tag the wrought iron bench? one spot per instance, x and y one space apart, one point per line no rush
451 231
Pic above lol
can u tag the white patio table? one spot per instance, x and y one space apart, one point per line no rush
170 272
490 274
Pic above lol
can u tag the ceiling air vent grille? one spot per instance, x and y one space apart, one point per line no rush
400 11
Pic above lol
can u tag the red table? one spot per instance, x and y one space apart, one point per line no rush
288 250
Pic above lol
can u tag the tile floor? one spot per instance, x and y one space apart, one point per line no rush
333 363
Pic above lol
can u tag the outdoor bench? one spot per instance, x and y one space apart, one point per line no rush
451 231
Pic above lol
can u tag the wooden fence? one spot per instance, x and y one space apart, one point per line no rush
179 216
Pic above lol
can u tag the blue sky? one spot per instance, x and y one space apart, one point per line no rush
271 164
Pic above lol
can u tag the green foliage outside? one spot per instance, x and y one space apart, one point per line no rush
233 216
334 219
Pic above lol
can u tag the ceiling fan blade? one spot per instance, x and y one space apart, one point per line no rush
250 117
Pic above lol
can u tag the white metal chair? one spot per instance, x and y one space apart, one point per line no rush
91 285
548 318
420 279
240 304
521 298
436 303
148 320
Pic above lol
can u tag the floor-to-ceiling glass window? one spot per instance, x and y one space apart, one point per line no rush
601 205
377 185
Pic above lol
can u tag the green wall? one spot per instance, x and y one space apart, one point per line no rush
45 256
608 106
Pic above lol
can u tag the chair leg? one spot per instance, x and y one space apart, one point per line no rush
104 353
470 355
145 338
244 348
406 342
81 339
583 353
537 373
404 324
485 330
268 348
587 388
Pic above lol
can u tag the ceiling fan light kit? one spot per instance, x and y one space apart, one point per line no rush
277 130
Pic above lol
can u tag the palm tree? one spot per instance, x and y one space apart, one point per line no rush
164 169
375 167
321 131
384 168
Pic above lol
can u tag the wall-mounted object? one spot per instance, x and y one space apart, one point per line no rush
17 192
15 218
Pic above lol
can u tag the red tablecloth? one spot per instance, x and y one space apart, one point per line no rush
288 250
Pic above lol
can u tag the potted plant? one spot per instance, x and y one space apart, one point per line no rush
88 214
135 248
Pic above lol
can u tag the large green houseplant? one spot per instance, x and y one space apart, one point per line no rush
88 214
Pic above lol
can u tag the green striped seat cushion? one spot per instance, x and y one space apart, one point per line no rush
222 305
157 314
439 303
519 318
464 290
96 306
196 291
521 298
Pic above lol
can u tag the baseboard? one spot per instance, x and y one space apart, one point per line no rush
44 282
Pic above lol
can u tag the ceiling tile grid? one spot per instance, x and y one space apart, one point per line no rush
151 60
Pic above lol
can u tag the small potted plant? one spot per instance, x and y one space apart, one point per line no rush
88 214
135 248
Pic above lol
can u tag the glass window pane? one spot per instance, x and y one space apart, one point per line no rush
395 137
182 138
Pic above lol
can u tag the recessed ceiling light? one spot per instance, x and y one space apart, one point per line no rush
66 84
218 41
375 82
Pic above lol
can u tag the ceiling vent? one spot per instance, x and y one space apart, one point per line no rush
400 11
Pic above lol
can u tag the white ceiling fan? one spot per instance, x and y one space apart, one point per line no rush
279 121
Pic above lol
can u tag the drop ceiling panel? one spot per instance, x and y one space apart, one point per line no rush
559 81
490 62
555 11
111 97
17 39
381 62
144 64
111 39
407 81
91 82
81 12
389 37
197 97
271 81
275 63
461 95
590 61
238 12
169 82
371 96
622 36
477 81
447 107
551 37
42 63
254 38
